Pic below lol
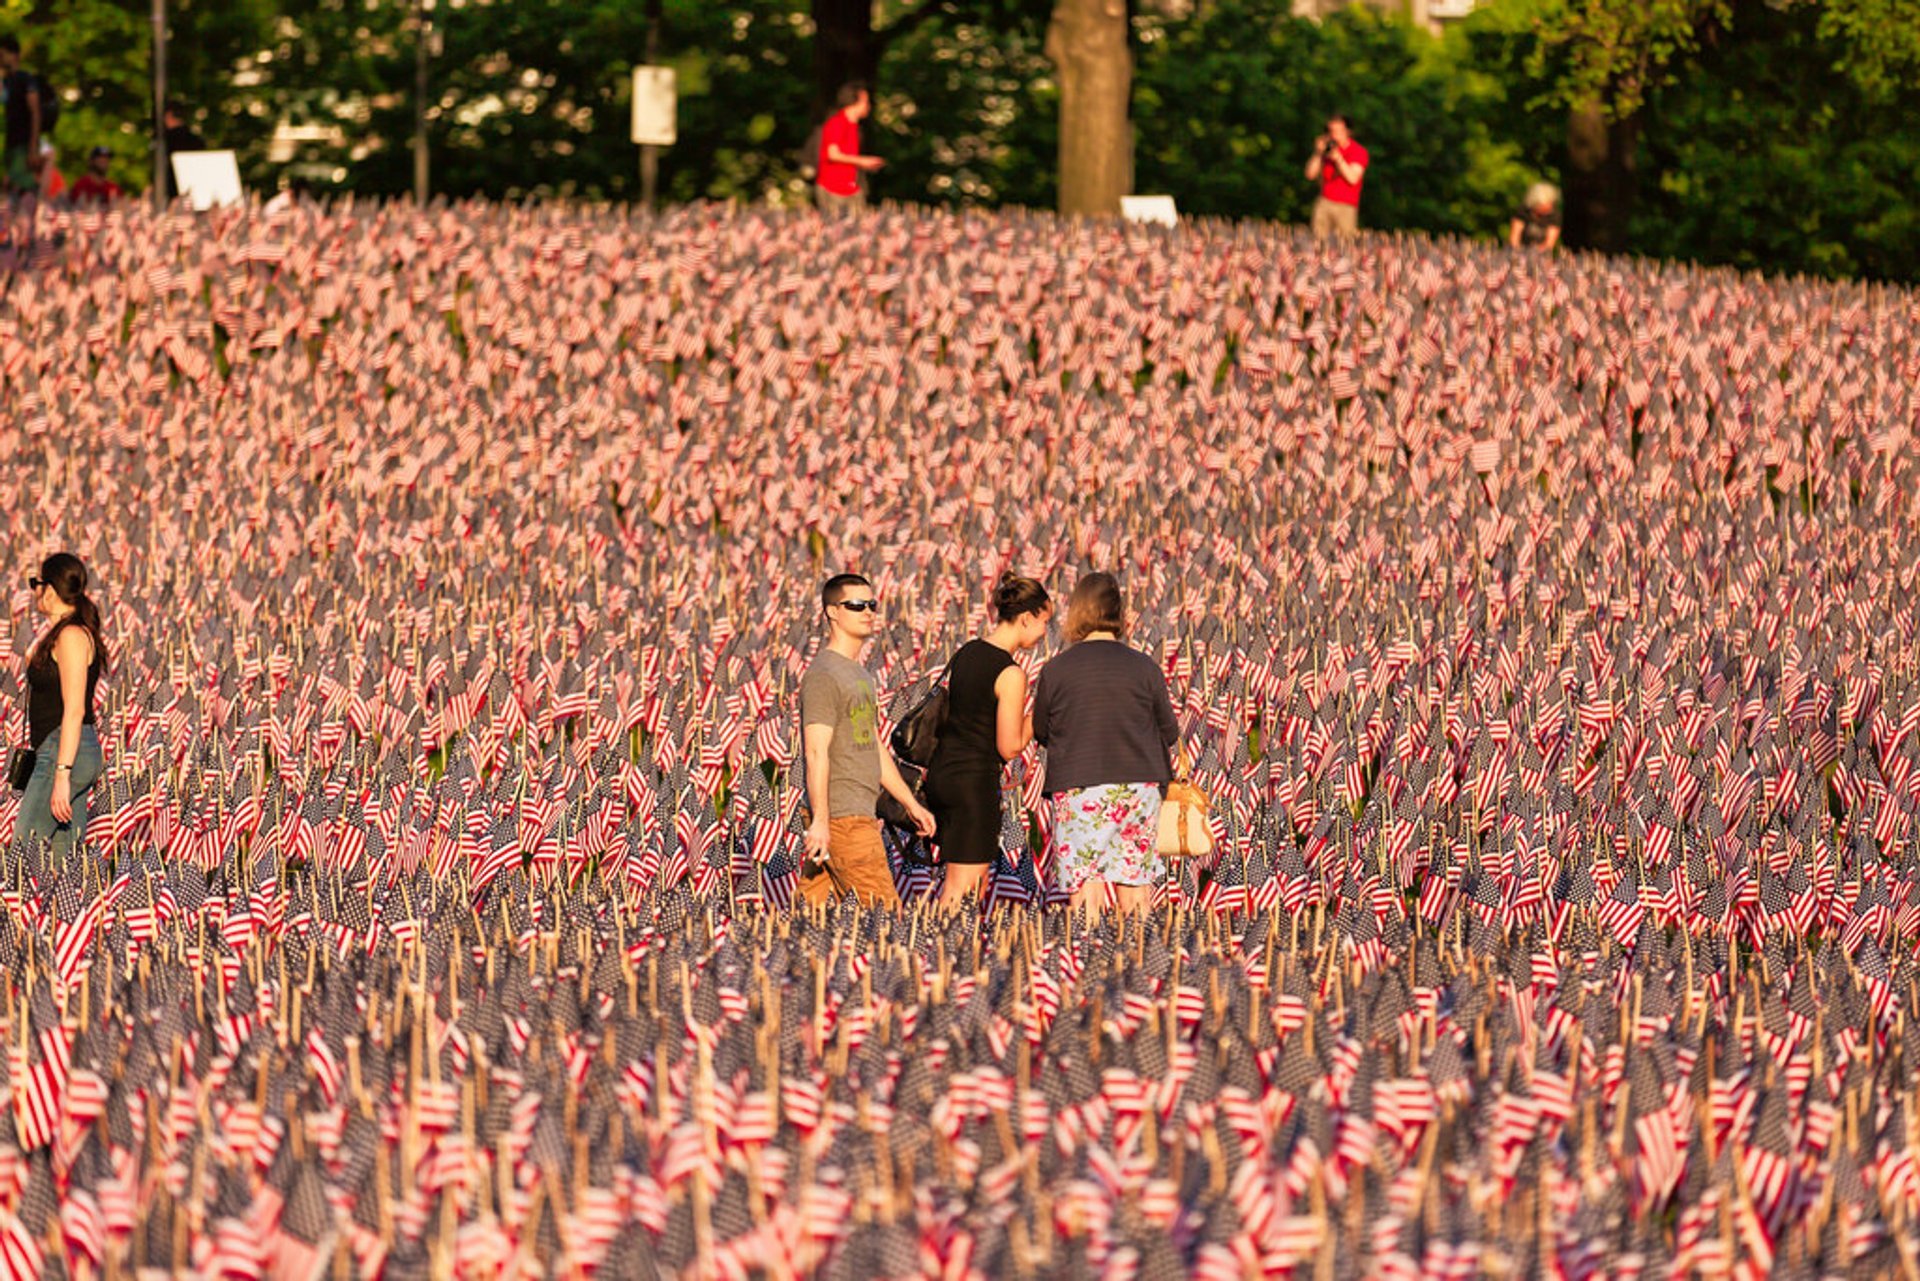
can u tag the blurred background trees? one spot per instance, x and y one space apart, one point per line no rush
1763 133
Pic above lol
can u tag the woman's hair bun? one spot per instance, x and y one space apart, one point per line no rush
1015 595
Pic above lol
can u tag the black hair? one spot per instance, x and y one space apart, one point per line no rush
834 590
849 93
1014 596
9 43
66 574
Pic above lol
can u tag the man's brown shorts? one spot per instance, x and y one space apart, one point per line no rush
857 861
1331 219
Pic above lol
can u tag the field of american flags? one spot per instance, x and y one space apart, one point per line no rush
1545 628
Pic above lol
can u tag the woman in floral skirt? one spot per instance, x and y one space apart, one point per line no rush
1102 711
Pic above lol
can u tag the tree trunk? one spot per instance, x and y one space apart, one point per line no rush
1602 179
844 49
1087 44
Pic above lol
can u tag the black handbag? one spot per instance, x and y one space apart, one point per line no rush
913 741
20 768
892 812
897 826
918 732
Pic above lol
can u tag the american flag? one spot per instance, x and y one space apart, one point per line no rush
1552 687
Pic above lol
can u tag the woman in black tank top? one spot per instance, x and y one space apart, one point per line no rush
987 726
63 670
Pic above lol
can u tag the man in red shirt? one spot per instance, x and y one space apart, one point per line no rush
837 187
1340 164
93 186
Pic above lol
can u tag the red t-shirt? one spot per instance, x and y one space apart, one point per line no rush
88 188
1336 189
840 179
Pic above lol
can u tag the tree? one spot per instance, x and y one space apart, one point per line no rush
1877 42
1087 43
845 48
970 115
1758 156
1601 58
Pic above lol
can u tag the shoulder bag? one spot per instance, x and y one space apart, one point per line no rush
912 743
918 732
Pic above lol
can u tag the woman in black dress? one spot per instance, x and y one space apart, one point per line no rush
987 726
63 669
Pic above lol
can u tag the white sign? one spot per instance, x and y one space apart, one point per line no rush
207 178
653 106
1149 209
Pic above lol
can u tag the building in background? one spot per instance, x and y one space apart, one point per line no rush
1428 13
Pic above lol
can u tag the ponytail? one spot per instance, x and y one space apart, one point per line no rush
87 614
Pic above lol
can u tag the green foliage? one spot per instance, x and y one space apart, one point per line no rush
1772 155
1612 53
1875 42
95 54
523 98
1499 41
1434 125
745 100
968 115
98 55
532 97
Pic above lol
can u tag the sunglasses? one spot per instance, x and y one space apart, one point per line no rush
35 584
861 606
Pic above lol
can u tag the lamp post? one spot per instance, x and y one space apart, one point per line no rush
421 37
159 105
650 152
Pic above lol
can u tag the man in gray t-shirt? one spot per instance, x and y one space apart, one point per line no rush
846 763
838 693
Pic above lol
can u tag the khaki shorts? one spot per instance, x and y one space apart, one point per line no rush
832 203
1331 219
857 862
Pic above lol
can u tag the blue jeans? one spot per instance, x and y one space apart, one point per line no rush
36 803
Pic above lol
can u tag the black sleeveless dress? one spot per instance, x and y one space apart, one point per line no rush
963 779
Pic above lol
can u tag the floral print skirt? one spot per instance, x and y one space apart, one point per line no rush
1107 833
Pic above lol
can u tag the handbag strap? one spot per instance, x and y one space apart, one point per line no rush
1182 763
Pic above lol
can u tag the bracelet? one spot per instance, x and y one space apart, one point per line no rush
67 768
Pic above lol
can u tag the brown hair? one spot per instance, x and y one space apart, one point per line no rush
1014 596
1096 606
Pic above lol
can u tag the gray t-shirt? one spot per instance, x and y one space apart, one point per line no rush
838 692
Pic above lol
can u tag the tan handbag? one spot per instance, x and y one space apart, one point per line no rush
1183 818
